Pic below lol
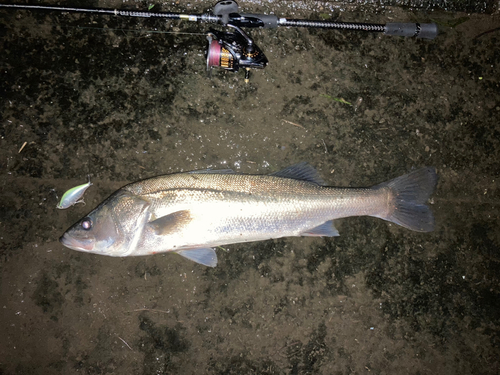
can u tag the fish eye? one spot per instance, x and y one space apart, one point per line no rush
86 223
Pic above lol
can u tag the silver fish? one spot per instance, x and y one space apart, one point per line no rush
73 196
191 213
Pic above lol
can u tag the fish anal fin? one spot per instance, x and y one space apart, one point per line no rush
327 229
170 223
301 171
204 256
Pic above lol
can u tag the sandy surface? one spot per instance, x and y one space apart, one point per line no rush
88 95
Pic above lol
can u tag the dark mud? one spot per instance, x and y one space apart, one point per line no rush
90 96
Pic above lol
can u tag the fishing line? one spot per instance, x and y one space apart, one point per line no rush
131 30
121 29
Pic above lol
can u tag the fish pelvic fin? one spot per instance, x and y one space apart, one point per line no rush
410 194
205 256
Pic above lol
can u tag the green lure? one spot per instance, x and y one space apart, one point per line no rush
73 196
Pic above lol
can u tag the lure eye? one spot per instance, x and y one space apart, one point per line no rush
87 223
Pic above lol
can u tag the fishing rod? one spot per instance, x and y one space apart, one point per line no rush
234 50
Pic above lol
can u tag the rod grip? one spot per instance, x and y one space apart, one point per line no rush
419 30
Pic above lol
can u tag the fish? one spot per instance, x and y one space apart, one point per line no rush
192 213
73 196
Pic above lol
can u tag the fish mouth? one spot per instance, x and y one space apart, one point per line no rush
76 244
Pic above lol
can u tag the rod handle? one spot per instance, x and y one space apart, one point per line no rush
419 30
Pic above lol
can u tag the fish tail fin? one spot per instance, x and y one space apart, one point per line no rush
410 193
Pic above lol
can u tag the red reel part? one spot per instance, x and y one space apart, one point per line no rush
219 56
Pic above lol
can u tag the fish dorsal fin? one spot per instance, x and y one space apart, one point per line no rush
170 223
205 256
327 229
213 171
301 171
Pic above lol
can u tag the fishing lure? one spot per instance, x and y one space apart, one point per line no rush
73 196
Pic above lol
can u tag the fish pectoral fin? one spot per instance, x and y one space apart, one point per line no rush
170 223
301 171
206 256
327 229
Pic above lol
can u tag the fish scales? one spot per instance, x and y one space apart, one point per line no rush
253 207
191 213
276 193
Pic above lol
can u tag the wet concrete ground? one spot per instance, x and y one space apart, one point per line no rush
86 95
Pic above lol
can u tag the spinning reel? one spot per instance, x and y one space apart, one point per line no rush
232 51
